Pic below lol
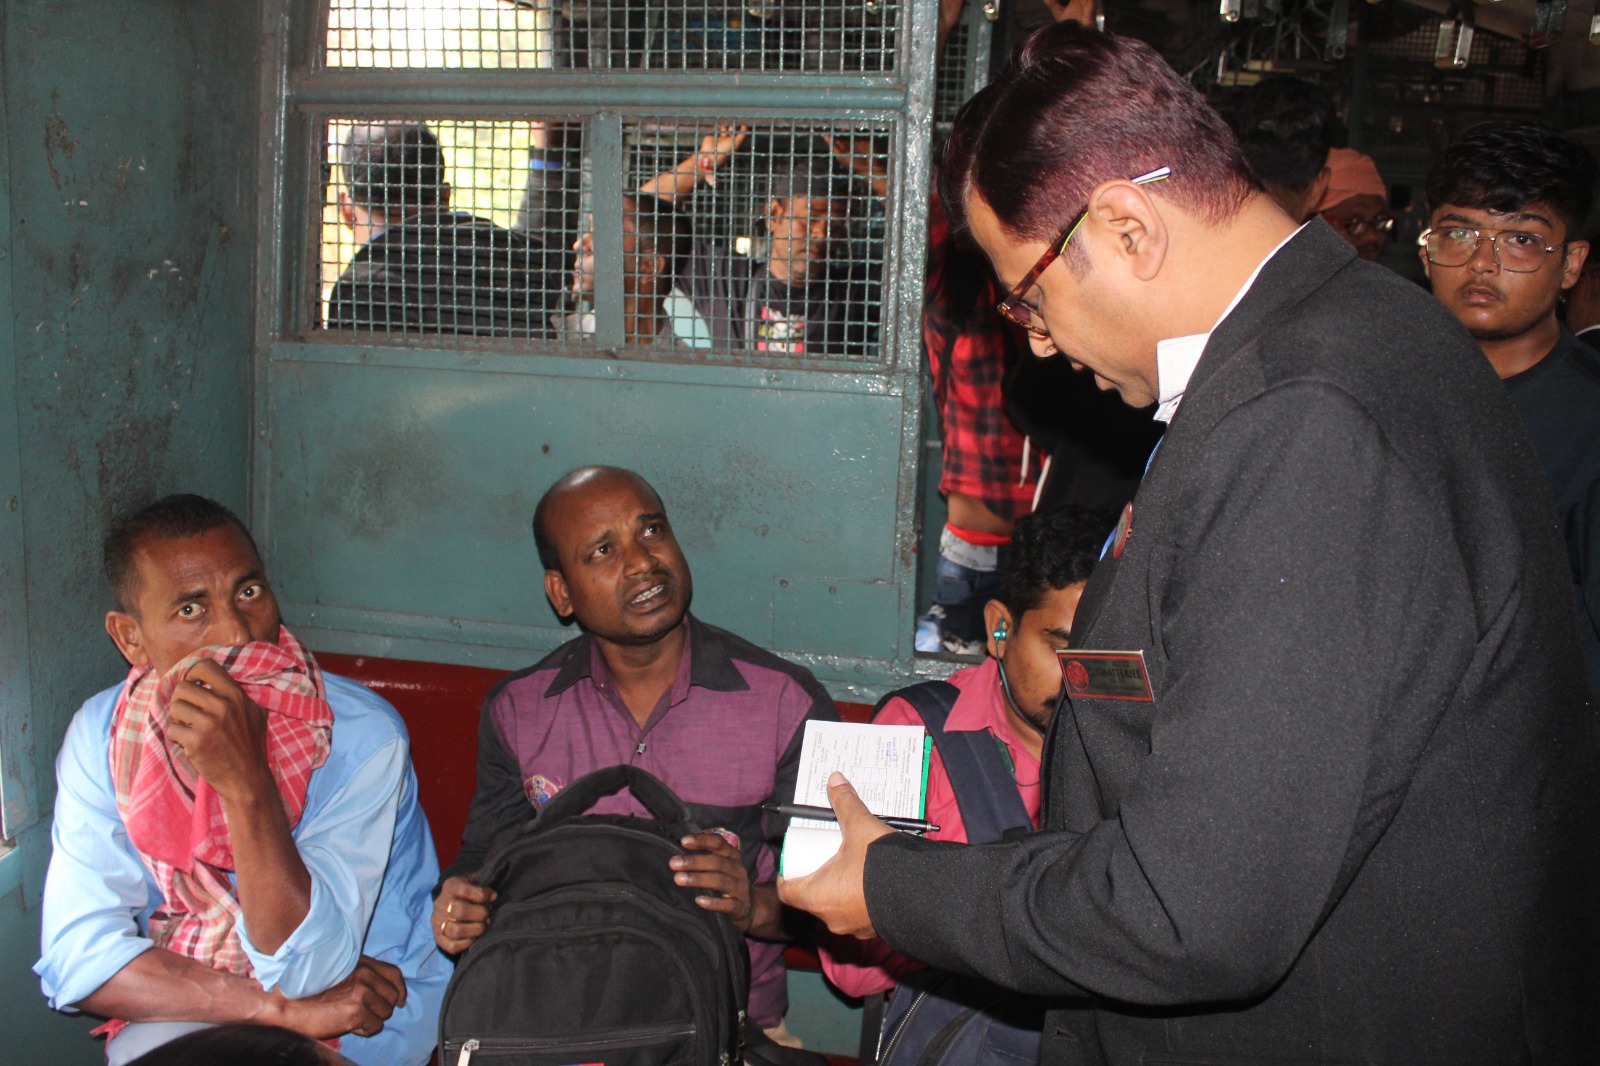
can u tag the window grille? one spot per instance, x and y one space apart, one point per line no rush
456 226
782 227
953 76
818 36
764 237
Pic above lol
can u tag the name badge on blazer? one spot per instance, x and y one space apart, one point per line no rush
1106 675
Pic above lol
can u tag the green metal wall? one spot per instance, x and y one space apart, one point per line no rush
395 483
143 163
127 193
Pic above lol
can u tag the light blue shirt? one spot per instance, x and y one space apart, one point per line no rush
363 838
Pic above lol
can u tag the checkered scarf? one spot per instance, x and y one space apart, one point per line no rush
173 816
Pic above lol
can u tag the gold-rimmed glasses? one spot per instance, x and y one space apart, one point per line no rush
1519 251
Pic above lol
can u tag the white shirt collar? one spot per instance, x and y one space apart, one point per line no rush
1176 357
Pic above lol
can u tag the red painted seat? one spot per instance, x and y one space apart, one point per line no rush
440 705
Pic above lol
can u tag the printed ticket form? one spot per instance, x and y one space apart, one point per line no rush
887 764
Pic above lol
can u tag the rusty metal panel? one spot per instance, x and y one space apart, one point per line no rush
18 796
403 496
125 358
132 202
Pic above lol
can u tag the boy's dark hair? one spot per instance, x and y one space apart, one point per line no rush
1286 127
1051 550
668 230
1505 164
169 518
396 168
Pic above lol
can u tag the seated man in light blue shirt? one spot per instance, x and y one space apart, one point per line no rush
237 835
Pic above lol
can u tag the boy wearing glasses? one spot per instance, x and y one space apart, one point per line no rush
1509 200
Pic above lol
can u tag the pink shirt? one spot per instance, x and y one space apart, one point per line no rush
866 967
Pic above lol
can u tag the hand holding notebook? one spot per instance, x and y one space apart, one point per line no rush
887 765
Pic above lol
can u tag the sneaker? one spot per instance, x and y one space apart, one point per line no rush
929 637
952 645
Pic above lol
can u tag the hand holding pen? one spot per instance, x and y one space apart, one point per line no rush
825 814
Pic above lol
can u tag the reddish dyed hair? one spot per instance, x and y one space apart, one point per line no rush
1074 108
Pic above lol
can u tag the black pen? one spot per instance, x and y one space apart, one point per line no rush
825 814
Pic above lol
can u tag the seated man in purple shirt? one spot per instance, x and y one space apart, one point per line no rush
647 684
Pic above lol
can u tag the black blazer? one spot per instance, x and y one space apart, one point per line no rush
1357 823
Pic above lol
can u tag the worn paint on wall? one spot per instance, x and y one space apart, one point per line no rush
130 131
402 497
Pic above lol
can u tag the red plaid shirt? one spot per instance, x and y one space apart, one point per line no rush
970 346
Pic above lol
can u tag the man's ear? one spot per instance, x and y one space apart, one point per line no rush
1572 263
347 209
1319 187
1427 264
123 628
998 627
775 213
555 587
1125 218
444 198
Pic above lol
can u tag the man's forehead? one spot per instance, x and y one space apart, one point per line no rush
813 205
1535 211
598 501
1359 203
1010 255
222 553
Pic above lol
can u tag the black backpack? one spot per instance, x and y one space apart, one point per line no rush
940 1017
593 954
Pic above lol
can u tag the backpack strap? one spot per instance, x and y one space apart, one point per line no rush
985 788
572 801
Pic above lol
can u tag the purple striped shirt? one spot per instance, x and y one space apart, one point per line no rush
725 737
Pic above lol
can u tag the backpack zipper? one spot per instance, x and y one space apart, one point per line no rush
630 1038
885 1048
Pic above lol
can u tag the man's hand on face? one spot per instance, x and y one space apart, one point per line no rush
359 1004
836 891
222 732
713 865
461 913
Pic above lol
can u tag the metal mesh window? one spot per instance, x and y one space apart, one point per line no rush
779 231
953 75
820 36
458 227
727 236
470 34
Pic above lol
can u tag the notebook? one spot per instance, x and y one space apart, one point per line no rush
887 764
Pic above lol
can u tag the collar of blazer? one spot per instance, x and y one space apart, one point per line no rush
1301 266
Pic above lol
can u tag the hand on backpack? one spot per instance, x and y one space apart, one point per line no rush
714 866
460 913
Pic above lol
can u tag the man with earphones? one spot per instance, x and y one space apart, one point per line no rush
993 715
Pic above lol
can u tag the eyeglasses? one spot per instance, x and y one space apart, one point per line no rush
1015 307
1356 226
1515 250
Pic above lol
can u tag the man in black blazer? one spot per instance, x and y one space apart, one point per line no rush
1326 794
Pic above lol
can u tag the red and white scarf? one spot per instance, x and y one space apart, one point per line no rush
173 816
